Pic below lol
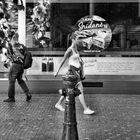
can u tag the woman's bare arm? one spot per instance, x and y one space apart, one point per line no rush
66 56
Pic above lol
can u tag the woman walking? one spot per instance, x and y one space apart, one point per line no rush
75 64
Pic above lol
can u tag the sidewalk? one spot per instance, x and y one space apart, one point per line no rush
117 118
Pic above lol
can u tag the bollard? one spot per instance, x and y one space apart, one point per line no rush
70 124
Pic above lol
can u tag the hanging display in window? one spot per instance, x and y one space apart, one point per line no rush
95 33
38 24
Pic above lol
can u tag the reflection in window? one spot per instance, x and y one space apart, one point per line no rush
38 24
60 19
123 19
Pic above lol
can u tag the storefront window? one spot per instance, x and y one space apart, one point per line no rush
57 20
122 17
48 25
60 20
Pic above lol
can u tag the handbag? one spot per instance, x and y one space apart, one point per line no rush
82 72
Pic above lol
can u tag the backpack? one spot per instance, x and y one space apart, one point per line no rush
28 60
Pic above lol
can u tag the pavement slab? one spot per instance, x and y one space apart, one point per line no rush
117 117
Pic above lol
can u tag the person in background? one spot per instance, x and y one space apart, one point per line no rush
75 64
15 55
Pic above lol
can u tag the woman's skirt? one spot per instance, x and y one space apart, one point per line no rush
77 73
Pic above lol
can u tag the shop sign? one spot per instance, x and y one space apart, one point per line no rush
111 66
94 32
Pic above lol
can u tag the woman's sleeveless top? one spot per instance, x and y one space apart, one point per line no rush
74 59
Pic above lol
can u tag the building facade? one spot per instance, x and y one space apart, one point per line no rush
44 27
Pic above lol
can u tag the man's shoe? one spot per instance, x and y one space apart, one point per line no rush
9 100
28 97
88 111
59 107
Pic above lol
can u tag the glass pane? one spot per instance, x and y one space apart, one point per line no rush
38 25
120 16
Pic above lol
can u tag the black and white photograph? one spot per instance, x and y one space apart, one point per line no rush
69 69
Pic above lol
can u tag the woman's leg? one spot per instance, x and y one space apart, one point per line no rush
59 102
82 100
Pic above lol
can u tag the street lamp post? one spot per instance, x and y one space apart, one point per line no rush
70 124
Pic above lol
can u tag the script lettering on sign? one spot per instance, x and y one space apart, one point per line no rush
94 32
